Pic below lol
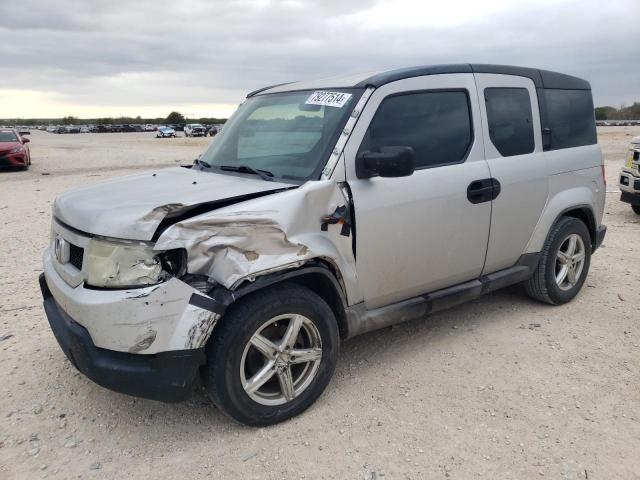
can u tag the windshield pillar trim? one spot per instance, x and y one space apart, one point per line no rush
327 172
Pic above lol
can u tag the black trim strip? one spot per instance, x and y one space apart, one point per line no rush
360 320
207 303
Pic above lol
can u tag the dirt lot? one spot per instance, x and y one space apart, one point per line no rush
501 388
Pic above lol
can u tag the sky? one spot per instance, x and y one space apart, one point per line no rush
102 58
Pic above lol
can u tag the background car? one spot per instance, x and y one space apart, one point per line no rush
14 151
165 132
194 130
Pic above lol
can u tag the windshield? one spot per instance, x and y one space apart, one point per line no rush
8 137
289 135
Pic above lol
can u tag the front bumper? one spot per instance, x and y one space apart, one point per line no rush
167 376
13 160
629 186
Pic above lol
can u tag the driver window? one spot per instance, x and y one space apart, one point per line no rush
436 124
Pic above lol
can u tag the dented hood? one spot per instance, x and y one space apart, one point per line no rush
133 207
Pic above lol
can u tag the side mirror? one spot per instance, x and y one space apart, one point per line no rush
25 140
387 162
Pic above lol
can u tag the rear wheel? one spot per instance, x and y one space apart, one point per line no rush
564 263
272 356
636 209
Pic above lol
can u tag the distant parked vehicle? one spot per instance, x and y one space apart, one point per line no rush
149 128
194 130
212 131
84 129
630 176
165 132
14 151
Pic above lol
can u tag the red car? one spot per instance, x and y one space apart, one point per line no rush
14 151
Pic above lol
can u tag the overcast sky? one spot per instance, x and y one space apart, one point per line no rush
107 58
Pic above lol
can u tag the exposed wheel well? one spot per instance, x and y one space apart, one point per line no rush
317 277
326 289
586 216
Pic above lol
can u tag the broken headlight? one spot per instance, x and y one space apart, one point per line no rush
122 264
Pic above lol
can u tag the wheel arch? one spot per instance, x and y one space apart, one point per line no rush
318 276
586 215
574 202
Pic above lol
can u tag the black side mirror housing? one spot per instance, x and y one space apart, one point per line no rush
387 162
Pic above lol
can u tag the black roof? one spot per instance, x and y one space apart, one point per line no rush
540 78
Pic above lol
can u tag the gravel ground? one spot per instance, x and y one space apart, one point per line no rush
502 387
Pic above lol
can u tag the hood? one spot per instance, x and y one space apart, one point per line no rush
8 146
133 207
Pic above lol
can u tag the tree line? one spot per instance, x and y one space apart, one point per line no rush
172 118
631 112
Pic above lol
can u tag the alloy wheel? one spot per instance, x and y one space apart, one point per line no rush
569 261
281 359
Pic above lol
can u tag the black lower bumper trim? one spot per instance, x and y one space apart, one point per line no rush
168 376
632 198
601 231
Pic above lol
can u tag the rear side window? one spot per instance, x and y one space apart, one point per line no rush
571 118
436 124
510 120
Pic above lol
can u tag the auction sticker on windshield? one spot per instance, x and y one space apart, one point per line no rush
329 99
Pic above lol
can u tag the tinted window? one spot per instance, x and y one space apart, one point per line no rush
510 120
571 118
437 125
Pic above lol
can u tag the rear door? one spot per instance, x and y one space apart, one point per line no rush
420 233
513 149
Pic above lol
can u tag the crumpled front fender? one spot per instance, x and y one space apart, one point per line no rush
268 234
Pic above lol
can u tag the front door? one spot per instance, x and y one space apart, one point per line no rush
423 232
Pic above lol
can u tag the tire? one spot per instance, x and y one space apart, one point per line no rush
543 285
636 209
233 361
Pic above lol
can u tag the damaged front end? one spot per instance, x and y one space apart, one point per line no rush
240 242
130 264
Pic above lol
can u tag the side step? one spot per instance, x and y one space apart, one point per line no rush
360 320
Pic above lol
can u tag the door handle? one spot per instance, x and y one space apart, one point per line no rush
483 190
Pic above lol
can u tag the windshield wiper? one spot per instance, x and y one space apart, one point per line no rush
263 174
197 161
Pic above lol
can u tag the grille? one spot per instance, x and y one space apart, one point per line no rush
75 256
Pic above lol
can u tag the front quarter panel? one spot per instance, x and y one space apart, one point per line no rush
261 236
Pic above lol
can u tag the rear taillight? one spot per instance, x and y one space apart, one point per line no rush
604 176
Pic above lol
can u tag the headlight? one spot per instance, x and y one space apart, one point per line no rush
631 154
121 264
17 150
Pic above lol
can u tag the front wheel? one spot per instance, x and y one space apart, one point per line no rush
272 355
636 209
564 263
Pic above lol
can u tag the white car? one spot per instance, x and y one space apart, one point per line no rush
324 210
194 130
